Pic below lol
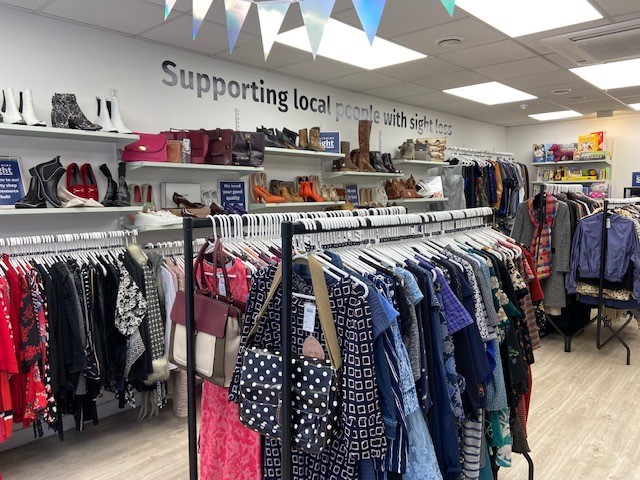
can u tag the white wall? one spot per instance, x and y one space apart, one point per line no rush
623 130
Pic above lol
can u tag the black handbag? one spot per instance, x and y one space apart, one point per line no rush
315 381
248 149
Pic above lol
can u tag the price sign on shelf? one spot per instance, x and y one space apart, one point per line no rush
233 193
11 189
635 179
330 141
351 193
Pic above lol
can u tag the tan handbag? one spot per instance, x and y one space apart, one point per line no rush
174 151
217 325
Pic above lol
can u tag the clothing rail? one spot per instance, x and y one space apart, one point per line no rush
67 241
475 151
600 317
563 188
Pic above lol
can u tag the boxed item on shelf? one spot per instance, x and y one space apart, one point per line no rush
191 191
588 143
539 155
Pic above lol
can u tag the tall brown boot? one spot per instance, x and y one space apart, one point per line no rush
345 164
314 140
364 132
303 139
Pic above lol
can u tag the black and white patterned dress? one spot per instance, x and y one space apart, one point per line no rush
360 433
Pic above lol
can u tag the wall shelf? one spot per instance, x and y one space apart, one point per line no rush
375 176
119 139
572 162
69 211
193 166
428 163
569 182
402 201
287 153
300 205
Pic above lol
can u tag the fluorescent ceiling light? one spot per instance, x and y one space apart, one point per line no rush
490 93
347 44
517 18
543 117
635 106
606 76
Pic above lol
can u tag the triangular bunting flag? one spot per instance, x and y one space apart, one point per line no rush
449 5
200 9
236 13
370 13
271 16
168 6
316 15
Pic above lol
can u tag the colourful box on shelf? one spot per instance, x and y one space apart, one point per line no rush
539 155
330 141
601 139
588 143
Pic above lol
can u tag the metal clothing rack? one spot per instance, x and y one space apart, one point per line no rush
600 317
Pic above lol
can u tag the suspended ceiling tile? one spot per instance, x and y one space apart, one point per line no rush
418 69
577 97
427 99
592 107
501 117
128 16
534 106
461 78
363 81
25 4
459 106
577 87
632 99
529 66
561 61
473 31
251 54
541 79
618 7
320 69
405 16
399 90
629 16
624 92
211 38
489 54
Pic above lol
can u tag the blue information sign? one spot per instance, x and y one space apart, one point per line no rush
11 189
351 192
233 193
635 179
330 141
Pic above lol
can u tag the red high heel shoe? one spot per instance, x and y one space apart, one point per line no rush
262 195
306 192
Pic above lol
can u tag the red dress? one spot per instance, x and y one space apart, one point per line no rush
228 450
8 364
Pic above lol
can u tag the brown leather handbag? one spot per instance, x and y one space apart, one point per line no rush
220 146
217 325
248 149
174 151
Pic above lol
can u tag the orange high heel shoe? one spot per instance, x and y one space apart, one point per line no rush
306 192
262 195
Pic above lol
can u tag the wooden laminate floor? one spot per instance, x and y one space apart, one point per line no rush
584 425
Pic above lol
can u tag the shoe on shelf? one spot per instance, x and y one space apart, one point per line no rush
146 192
104 119
113 106
75 186
181 201
262 195
411 183
285 140
303 139
308 194
27 110
69 200
375 159
109 199
314 140
10 110
34 197
155 219
290 138
324 193
135 193
89 182
388 164
409 150
235 208
49 173
66 113
333 194
122 199
270 139
217 209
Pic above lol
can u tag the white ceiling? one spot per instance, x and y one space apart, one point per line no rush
485 55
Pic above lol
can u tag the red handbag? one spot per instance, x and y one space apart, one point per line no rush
220 147
199 145
150 148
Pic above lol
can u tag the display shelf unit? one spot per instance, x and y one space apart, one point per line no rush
287 153
572 162
402 201
193 166
375 176
69 211
417 163
292 205
569 182
119 139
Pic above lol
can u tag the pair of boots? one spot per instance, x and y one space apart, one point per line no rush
279 139
19 114
363 159
43 187
310 139
66 113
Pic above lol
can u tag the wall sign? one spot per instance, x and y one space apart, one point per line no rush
351 193
635 179
233 193
11 189
330 141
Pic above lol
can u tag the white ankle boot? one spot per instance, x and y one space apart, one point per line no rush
116 119
103 116
27 110
10 112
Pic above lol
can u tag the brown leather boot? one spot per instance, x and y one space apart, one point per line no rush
314 140
364 132
303 139
345 164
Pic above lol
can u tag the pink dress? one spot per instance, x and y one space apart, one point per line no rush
228 450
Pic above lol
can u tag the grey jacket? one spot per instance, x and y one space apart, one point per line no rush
552 286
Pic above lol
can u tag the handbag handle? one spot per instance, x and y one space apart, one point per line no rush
199 262
218 258
321 293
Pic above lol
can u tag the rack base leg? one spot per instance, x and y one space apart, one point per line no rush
615 333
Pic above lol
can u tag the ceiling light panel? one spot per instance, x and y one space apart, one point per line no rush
347 44
562 114
607 76
490 93
635 106
518 18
